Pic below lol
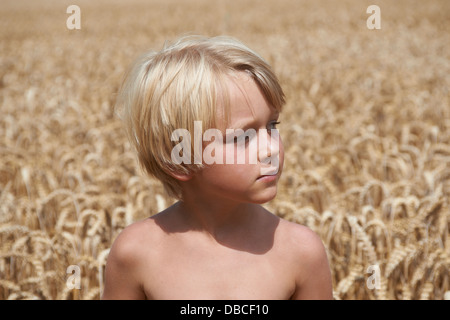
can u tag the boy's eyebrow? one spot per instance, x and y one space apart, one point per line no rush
249 122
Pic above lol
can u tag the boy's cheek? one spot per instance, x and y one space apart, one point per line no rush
281 154
281 160
219 153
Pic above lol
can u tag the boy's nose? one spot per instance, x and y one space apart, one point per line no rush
269 145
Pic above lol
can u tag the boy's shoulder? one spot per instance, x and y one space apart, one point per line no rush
297 232
300 241
128 261
308 259
132 242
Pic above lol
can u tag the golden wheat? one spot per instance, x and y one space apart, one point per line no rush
366 131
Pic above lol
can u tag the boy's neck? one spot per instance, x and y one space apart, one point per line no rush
218 218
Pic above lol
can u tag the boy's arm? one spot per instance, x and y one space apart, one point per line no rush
313 281
121 274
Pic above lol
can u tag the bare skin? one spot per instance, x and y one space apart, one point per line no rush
168 256
219 242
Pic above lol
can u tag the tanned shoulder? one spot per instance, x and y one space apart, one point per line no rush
312 271
124 263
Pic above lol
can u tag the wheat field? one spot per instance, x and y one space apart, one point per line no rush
366 130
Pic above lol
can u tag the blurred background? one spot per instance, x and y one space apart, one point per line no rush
366 130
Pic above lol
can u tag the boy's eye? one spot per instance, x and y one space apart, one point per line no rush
273 125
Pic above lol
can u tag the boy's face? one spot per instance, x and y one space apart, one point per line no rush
251 165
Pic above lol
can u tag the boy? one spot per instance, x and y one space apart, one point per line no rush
217 241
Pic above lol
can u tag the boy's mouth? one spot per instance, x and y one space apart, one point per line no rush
270 177
268 173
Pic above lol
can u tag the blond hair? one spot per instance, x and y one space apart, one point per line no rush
184 82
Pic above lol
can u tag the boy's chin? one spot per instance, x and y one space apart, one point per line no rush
264 197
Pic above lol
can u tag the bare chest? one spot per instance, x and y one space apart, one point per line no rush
218 274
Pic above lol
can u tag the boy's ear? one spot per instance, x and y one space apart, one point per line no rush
181 176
